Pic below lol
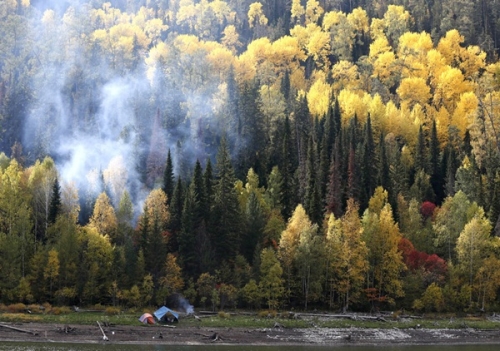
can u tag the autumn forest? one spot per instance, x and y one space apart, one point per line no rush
334 155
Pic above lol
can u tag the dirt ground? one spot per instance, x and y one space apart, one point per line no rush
160 334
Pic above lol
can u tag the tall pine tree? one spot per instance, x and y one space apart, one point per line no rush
168 178
225 224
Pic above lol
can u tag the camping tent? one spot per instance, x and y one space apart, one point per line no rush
147 318
166 314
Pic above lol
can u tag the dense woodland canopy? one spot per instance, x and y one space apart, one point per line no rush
340 155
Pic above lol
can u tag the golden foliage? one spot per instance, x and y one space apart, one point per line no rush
256 15
103 218
318 98
156 204
413 91
345 76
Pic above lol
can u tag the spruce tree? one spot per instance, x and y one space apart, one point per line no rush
437 179
55 202
198 186
312 201
335 189
420 153
175 223
368 169
156 250
252 142
451 168
253 233
168 178
330 130
352 189
324 169
287 170
225 224
187 236
383 176
208 182
285 90
337 118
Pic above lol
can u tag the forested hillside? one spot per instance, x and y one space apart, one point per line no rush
338 155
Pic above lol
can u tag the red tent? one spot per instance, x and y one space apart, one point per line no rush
147 318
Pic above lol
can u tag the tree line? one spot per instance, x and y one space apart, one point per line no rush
339 157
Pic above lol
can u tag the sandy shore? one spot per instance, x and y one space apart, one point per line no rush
159 334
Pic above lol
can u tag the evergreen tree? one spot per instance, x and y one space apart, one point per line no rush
324 168
253 233
253 140
368 166
144 227
187 235
437 179
199 192
352 175
420 152
287 170
302 132
274 190
208 182
225 224
399 178
55 202
285 89
131 256
335 190
337 118
155 251
176 210
312 199
168 178
449 164
330 128
383 175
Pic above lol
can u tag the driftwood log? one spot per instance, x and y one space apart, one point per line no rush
104 337
353 317
19 329
213 337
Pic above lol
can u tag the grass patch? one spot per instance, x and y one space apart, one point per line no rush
18 317
64 315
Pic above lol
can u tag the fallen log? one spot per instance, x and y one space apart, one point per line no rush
322 315
19 329
216 337
104 337
354 317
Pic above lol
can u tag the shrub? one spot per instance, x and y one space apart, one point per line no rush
98 307
268 314
16 308
35 308
112 311
47 307
60 310
223 315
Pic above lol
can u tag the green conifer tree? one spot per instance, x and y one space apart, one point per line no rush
168 178
55 202
225 222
